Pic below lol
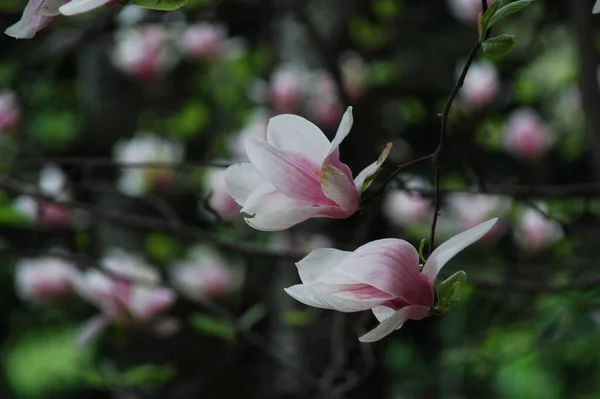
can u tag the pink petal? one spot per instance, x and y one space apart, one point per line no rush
147 302
31 21
292 133
372 169
343 298
80 6
336 186
241 180
392 266
319 262
394 322
91 329
342 132
453 246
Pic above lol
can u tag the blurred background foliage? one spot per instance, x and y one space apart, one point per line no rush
95 94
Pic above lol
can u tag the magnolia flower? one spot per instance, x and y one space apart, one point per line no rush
39 13
296 174
126 292
534 231
466 10
42 279
220 201
526 135
144 52
204 40
354 71
143 148
204 275
287 88
9 110
405 208
324 105
466 210
481 84
382 275
52 183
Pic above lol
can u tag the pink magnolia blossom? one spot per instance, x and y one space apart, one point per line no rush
220 200
144 52
465 210
354 73
204 41
526 135
296 174
287 88
324 105
206 274
42 279
481 84
9 110
126 292
466 10
405 208
382 275
534 231
39 13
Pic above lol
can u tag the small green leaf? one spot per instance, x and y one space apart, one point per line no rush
250 317
421 247
499 46
447 291
485 19
508 10
212 326
162 5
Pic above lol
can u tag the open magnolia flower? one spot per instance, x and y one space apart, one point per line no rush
39 13
382 275
296 174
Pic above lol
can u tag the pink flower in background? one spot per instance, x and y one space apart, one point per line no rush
52 183
382 275
465 210
324 105
220 201
354 73
256 127
9 110
466 10
404 208
42 279
147 147
204 40
39 13
481 84
295 175
144 52
526 135
127 292
204 275
287 88
534 231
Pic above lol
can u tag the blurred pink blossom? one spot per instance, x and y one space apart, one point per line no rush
404 208
204 41
324 104
144 52
465 210
526 135
205 274
127 292
42 279
481 84
287 88
534 231
466 10
9 110
354 74
384 276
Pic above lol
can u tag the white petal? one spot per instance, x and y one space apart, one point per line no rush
80 6
371 169
304 295
382 312
342 132
394 322
241 180
596 9
295 134
262 193
91 329
319 262
281 218
453 246
313 295
338 188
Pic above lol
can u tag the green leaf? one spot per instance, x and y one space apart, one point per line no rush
508 10
212 326
421 247
253 315
148 376
162 5
499 46
447 291
485 19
